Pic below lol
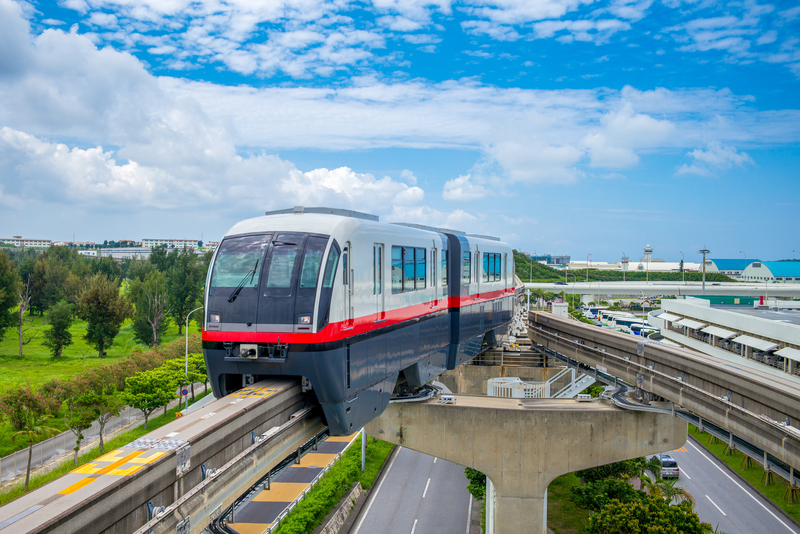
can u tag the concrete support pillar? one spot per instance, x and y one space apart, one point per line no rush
523 444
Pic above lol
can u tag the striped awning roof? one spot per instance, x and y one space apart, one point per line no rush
719 332
691 323
756 343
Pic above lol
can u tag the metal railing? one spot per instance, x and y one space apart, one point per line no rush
509 359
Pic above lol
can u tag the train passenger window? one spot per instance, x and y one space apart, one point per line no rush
444 269
488 263
281 266
408 269
312 261
330 268
419 254
397 269
433 267
477 262
466 268
377 268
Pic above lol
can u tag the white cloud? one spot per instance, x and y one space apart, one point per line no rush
596 31
463 189
768 37
716 157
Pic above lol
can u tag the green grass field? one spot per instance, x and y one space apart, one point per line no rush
774 492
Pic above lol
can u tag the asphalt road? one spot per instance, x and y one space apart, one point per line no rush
418 494
722 500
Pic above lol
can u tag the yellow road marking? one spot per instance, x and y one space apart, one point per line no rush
316 459
281 492
682 449
75 487
251 391
251 528
93 469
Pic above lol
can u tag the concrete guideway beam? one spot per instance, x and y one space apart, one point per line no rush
523 444
701 390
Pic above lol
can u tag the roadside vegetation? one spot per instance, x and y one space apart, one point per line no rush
775 492
335 484
11 492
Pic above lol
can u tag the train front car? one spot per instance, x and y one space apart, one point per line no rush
356 308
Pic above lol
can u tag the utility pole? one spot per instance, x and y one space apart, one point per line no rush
704 251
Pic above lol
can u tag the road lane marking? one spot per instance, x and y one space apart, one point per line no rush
744 490
469 513
682 449
434 460
377 490
683 473
715 506
426 488
415 526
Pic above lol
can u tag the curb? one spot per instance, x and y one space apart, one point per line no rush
355 514
773 507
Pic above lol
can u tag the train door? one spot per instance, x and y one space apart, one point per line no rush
377 280
347 282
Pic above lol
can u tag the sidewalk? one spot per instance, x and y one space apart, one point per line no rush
62 445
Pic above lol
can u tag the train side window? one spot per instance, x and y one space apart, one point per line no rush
466 268
477 263
330 268
444 269
419 254
408 269
487 265
505 271
433 267
397 269
377 268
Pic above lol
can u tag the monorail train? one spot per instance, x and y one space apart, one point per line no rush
358 308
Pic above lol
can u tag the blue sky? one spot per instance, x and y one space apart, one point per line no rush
562 126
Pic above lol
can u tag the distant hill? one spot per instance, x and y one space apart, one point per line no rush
543 273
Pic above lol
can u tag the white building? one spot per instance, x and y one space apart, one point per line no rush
141 253
19 241
92 253
171 243
738 334
654 266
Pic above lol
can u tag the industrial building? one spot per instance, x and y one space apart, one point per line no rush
743 335
171 243
731 267
773 271
19 241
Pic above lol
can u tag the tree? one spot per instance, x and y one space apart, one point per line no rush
183 285
24 300
104 309
196 370
668 490
624 469
160 259
15 403
108 406
650 515
477 483
149 390
149 297
73 289
35 283
35 429
596 495
82 410
9 285
58 335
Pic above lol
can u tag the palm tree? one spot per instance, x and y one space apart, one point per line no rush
35 430
673 492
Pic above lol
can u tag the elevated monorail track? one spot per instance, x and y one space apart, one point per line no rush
743 402
176 478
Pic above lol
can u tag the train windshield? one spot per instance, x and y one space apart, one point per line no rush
239 261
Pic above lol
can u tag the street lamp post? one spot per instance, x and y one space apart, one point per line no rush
704 251
186 368
683 268
588 258
745 262
624 263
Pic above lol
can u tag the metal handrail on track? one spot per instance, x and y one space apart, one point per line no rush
769 462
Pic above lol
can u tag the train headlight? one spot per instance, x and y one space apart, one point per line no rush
214 318
304 319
